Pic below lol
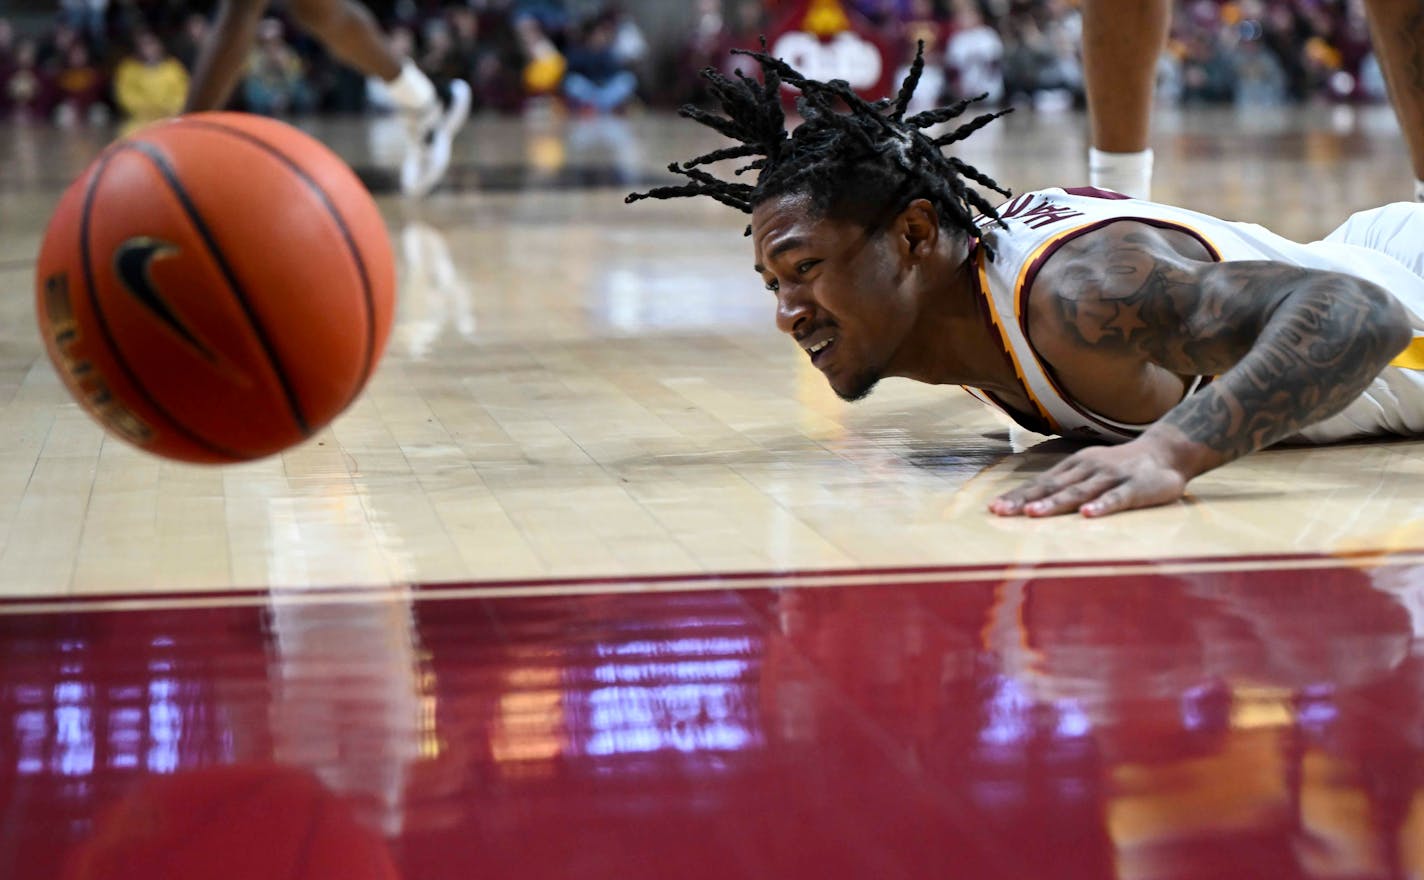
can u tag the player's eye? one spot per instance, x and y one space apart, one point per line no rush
805 266
773 285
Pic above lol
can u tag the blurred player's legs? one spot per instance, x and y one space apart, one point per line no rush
1397 31
350 33
1122 40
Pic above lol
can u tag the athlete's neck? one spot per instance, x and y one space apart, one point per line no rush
952 342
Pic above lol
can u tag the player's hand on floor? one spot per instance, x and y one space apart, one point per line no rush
1096 482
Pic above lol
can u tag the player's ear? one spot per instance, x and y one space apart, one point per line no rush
917 229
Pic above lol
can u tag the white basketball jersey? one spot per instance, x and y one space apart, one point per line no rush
1385 246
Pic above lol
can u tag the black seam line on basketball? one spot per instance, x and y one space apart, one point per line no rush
128 371
330 206
155 155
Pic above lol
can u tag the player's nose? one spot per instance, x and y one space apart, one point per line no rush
792 310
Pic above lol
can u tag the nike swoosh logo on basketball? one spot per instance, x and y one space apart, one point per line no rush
131 262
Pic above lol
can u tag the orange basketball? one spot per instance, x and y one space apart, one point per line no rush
215 288
231 823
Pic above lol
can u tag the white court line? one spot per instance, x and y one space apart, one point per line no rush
286 596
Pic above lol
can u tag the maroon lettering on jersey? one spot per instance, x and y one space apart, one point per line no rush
1015 206
1047 214
1037 211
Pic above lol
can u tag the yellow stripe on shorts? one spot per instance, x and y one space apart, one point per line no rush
1412 358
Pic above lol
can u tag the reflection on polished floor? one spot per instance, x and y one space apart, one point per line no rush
1194 722
599 580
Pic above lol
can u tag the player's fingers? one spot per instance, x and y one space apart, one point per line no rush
1055 479
1012 503
1072 497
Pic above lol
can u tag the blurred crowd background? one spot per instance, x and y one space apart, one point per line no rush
87 61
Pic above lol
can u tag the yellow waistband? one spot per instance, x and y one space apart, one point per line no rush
1412 358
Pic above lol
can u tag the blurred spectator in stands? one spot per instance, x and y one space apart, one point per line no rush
1061 81
1260 80
1168 84
545 65
275 83
378 95
1207 73
885 15
708 23
1041 57
927 15
1322 61
195 33
1372 87
749 23
467 39
630 47
55 49
149 84
80 88
698 51
552 15
492 59
88 17
597 80
1350 36
7 43
1285 33
24 87
440 60
1248 51
974 55
1319 54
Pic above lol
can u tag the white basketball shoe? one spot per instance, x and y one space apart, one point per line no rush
430 133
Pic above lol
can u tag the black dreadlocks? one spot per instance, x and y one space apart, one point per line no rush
865 164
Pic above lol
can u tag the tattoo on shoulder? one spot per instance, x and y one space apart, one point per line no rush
1124 293
1291 346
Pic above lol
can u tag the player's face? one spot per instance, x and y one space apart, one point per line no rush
839 291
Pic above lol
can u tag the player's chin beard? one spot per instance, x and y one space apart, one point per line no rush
859 387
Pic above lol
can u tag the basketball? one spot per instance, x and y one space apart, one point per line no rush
215 288
231 823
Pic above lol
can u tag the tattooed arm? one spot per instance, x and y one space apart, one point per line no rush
1127 309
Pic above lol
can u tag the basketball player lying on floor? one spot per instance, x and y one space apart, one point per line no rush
1189 340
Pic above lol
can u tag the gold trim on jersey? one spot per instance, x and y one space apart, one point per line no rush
1030 267
993 309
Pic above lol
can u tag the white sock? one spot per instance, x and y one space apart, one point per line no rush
1419 190
411 89
1126 173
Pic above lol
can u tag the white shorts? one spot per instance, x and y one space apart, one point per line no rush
1393 404
1396 230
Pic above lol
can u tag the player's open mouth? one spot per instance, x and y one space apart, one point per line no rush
819 349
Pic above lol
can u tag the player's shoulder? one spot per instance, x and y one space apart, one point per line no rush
1109 252
1096 273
